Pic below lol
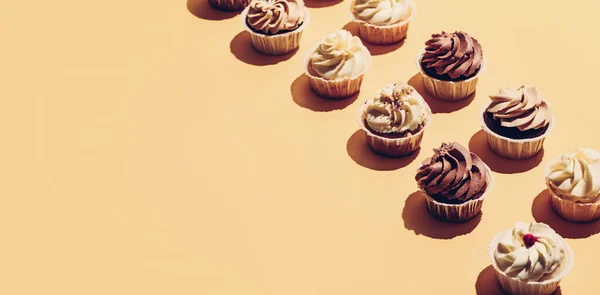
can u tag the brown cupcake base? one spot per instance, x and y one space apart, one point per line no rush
515 149
229 5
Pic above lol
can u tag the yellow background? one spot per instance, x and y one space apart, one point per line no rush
148 150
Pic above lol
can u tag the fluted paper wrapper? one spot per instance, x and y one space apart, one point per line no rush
392 147
459 212
570 210
519 287
229 5
514 148
335 89
388 34
449 90
276 44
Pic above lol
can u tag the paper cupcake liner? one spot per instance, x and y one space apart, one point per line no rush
229 5
459 212
449 90
514 148
276 44
573 211
519 287
338 88
385 35
392 147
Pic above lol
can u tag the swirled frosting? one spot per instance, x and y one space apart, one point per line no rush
524 108
396 109
274 16
530 251
576 175
453 174
457 55
340 55
381 12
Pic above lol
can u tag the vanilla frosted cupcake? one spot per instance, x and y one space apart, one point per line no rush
517 120
573 179
530 259
395 120
337 65
383 21
455 182
275 26
450 65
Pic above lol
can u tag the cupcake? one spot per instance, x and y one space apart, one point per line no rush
229 5
573 179
275 26
336 66
395 120
450 65
383 21
530 259
455 182
517 121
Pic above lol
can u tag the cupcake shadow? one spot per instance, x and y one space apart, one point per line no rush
418 219
487 283
241 47
479 145
303 96
201 9
321 3
542 211
373 48
438 106
359 152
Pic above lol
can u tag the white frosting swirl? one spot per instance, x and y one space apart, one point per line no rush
523 107
397 108
530 262
340 55
576 175
381 12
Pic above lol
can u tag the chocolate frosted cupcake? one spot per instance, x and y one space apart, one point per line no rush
455 182
336 66
382 21
395 120
530 259
451 64
275 26
517 120
573 179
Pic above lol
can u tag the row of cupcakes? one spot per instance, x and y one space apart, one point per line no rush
516 121
450 63
276 26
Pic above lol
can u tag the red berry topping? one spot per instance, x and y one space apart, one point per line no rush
529 240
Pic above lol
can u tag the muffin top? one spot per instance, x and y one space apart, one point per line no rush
576 176
397 108
452 56
340 55
529 252
524 108
271 17
381 12
453 175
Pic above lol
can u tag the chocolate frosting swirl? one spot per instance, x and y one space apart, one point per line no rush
453 174
524 108
275 16
457 55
